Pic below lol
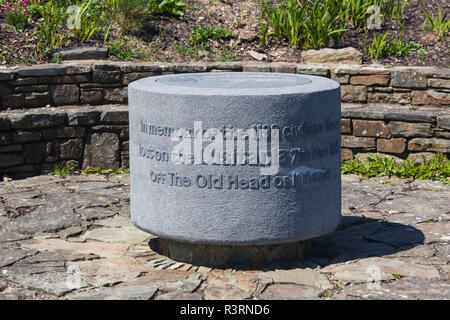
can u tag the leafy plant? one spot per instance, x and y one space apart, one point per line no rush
323 22
16 13
122 170
437 168
285 21
422 53
307 24
61 170
356 11
86 19
128 14
188 51
203 37
167 7
49 30
226 55
440 25
120 50
383 46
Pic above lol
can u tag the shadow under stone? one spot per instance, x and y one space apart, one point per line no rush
355 238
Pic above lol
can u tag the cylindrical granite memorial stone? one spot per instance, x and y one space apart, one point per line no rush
235 159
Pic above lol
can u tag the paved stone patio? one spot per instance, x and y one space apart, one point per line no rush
71 238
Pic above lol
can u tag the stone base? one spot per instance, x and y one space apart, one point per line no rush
220 256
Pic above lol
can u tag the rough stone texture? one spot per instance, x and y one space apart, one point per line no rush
377 79
242 99
28 89
439 83
409 130
396 145
71 149
433 144
91 96
354 93
26 100
346 154
344 56
290 292
444 122
102 151
408 79
84 53
363 128
350 263
357 142
65 94
346 126
430 97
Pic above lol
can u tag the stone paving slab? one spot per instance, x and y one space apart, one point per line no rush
71 238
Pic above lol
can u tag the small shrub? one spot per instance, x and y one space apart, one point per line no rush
167 7
128 14
120 50
203 37
439 25
188 51
85 19
61 171
50 29
16 13
384 46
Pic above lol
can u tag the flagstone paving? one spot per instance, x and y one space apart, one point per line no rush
71 238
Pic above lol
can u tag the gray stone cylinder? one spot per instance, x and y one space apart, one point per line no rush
208 200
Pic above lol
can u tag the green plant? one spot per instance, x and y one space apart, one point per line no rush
57 58
422 53
16 13
356 11
167 7
323 22
285 21
383 46
437 168
120 50
226 55
50 29
311 24
203 37
85 19
91 170
17 20
122 170
128 14
189 51
440 25
61 170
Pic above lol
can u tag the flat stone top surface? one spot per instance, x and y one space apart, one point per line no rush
235 83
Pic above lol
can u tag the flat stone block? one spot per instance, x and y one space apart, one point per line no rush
365 128
358 142
84 53
397 145
429 144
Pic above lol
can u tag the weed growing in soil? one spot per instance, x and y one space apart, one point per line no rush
383 46
437 169
439 25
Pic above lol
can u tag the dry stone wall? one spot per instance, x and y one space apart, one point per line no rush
76 112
